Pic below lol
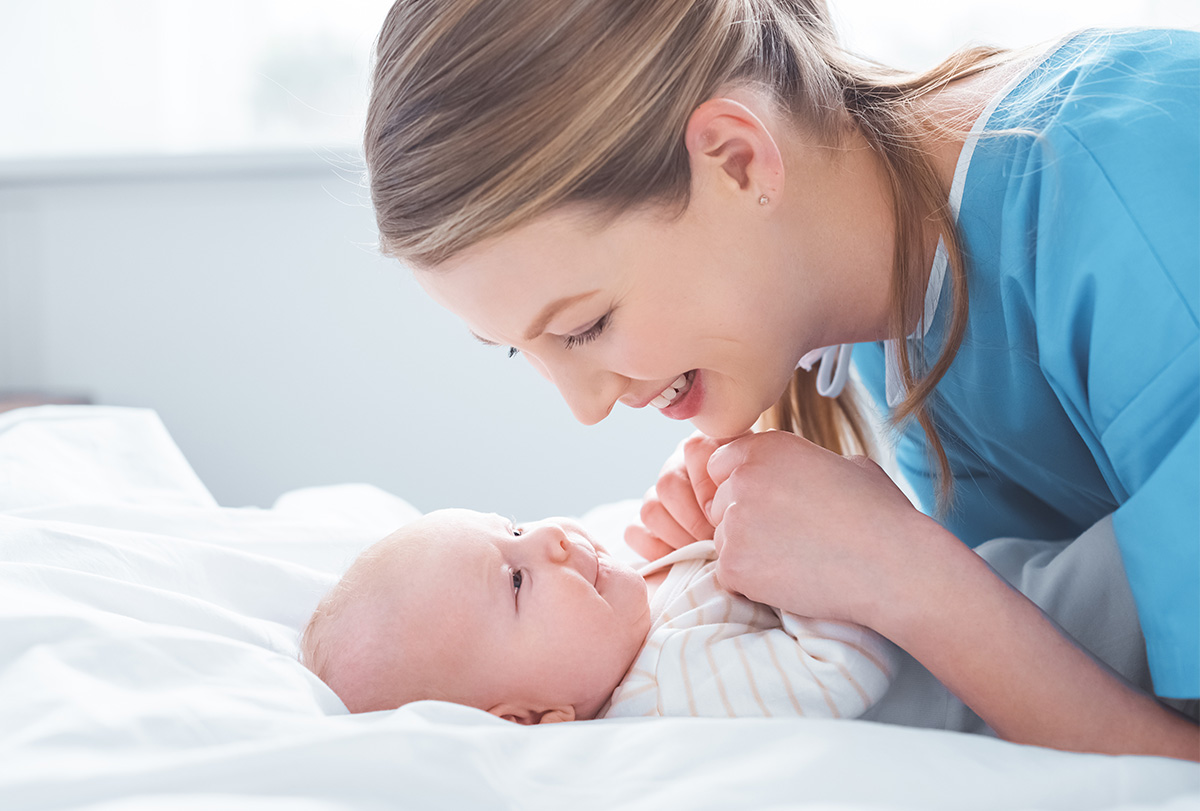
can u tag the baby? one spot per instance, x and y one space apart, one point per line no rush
537 623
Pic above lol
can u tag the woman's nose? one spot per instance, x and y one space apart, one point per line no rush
589 393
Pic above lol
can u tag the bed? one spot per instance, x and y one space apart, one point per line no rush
148 660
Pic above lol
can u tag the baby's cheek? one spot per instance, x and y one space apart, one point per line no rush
637 611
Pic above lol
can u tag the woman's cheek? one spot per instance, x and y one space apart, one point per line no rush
648 356
538 366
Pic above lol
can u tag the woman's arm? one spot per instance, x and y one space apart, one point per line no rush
1004 658
839 540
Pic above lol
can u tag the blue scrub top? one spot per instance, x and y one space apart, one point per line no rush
1076 391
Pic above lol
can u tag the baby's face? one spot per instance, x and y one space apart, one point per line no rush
533 622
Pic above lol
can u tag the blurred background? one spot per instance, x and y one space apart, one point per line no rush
183 227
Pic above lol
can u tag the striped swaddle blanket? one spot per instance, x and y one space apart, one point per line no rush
717 654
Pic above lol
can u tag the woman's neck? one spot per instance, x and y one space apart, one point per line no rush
953 112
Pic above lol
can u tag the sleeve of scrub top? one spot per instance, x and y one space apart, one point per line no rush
1118 292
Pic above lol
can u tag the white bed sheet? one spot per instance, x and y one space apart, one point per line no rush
148 661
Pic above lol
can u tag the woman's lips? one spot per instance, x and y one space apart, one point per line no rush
687 400
672 392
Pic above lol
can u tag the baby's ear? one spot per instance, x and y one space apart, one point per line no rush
528 717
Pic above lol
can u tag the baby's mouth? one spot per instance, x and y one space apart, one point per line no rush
674 391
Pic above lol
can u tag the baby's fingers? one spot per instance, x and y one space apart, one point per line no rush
696 452
658 519
677 497
641 541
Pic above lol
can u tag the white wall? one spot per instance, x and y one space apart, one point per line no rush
244 301
241 297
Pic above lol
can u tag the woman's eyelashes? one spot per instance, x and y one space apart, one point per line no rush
590 334
577 339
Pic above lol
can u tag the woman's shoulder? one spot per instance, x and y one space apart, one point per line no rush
1107 133
1119 108
1112 47
1108 78
1138 54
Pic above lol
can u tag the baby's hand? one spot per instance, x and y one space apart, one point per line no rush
673 513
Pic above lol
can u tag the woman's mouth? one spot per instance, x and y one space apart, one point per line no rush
681 399
673 391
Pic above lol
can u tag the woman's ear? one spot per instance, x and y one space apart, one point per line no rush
528 717
728 144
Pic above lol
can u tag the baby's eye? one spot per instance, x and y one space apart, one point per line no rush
517 579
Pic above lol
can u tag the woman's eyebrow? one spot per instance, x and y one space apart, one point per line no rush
539 324
552 309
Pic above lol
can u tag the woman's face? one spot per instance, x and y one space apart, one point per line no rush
621 314
703 316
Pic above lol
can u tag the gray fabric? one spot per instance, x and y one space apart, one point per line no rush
1080 584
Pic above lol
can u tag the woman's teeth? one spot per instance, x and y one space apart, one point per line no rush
670 392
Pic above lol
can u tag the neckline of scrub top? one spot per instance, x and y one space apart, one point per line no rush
937 273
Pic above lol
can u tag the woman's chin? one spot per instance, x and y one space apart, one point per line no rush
723 428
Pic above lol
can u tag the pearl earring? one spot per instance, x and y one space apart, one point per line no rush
762 201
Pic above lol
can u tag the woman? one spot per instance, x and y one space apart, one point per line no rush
674 203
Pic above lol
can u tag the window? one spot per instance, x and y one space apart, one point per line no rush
120 77
159 77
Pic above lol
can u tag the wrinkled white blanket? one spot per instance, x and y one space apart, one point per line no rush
148 661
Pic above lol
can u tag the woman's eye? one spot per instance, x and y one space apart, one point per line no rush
590 334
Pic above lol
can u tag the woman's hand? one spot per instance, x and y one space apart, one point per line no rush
820 535
673 509
812 532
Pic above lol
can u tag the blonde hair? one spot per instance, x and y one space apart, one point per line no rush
338 644
454 158
322 642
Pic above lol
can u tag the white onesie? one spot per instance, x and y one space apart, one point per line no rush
714 653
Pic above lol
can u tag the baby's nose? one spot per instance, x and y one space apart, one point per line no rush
554 542
560 548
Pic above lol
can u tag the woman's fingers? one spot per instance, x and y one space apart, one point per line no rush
722 501
721 465
727 457
775 548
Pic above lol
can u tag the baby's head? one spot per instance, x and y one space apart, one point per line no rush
533 623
